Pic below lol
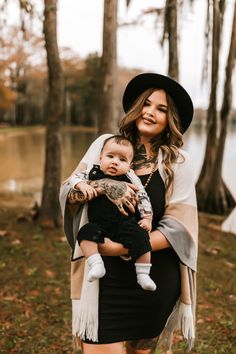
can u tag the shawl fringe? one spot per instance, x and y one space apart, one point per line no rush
181 319
85 310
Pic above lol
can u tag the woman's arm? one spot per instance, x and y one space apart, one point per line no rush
111 248
158 241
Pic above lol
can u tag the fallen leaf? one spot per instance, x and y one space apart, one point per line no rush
200 321
49 273
34 293
4 233
57 291
232 297
229 265
206 305
16 242
31 271
212 251
63 239
6 324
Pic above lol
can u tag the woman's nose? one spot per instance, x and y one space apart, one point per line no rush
150 112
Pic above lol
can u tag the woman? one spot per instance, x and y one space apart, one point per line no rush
158 111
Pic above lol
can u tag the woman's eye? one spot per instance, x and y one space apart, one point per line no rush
163 110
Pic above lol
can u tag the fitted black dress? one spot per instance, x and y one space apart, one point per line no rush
126 311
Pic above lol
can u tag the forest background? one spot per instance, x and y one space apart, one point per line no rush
42 84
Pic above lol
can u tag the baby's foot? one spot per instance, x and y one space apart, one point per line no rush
97 269
96 272
146 282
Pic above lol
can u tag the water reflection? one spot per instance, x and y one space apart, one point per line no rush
194 143
22 156
74 145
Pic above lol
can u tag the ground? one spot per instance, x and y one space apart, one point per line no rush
35 307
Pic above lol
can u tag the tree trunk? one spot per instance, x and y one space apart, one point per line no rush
50 210
219 199
107 114
172 31
204 180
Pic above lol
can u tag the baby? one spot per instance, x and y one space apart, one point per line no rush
105 220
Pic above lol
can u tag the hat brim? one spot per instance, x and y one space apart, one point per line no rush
179 95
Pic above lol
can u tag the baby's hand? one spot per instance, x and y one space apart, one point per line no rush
88 191
146 224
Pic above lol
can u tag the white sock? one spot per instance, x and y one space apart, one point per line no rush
143 278
96 265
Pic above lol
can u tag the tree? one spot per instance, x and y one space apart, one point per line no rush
171 32
218 198
168 14
107 114
50 209
205 180
21 47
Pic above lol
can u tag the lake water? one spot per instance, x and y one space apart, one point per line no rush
22 156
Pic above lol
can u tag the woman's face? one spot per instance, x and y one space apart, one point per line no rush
153 120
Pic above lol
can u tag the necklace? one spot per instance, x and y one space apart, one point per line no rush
151 174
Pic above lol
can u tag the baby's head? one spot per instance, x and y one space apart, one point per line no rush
116 155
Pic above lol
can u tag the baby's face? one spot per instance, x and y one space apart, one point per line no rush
116 158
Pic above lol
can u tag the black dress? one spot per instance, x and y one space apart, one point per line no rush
126 311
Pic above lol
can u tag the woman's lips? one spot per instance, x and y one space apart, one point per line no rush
148 120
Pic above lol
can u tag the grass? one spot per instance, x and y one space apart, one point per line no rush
35 307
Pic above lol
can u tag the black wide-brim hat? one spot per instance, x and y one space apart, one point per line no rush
179 95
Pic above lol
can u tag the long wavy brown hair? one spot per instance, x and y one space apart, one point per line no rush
169 141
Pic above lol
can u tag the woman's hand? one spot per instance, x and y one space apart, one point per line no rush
120 193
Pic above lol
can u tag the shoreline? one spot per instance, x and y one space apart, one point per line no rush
40 129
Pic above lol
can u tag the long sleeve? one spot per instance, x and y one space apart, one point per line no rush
78 177
144 204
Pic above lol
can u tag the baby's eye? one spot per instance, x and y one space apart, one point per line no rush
110 156
122 159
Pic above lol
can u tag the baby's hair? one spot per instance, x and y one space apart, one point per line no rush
118 139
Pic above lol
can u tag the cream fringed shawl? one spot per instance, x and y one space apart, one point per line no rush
179 225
